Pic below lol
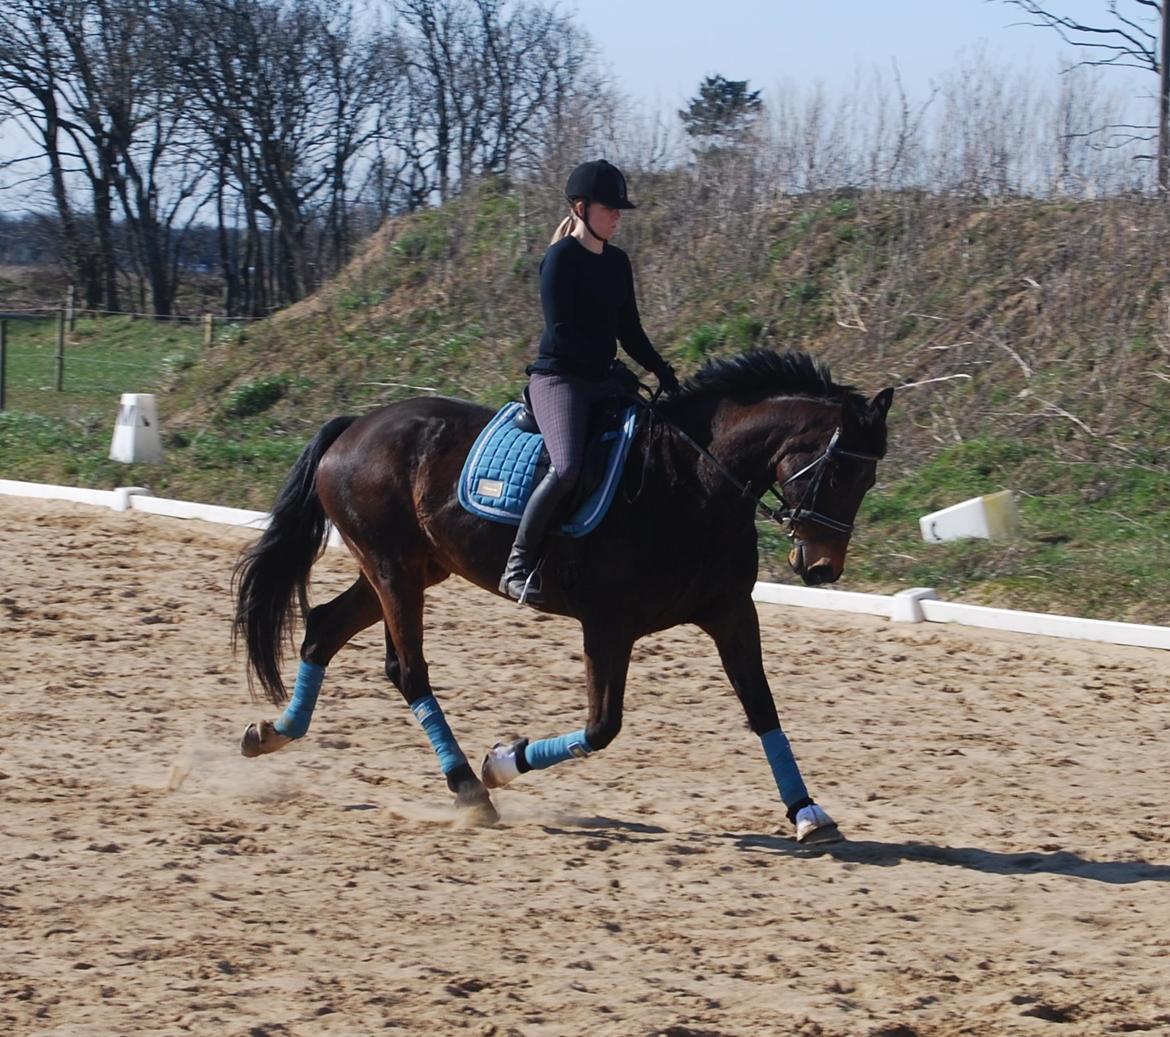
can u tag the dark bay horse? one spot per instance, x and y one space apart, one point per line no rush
678 546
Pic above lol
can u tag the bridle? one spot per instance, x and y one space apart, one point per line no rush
785 515
805 511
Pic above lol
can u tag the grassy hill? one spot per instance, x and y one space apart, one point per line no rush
1035 334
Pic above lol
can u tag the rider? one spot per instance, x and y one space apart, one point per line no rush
587 293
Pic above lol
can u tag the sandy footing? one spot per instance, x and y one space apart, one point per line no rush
1005 798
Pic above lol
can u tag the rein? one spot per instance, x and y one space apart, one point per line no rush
785 515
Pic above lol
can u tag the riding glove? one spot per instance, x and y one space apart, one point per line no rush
667 380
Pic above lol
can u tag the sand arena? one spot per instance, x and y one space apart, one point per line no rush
1005 798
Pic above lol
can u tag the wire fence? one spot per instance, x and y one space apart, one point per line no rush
55 362
35 312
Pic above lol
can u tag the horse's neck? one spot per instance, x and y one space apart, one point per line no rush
748 439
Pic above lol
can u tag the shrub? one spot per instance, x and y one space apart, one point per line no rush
256 397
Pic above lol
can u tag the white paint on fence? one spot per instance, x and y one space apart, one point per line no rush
823 598
39 491
915 605
206 512
136 498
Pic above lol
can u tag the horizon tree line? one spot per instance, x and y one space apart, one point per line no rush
297 126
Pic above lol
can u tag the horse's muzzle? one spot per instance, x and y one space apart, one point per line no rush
818 563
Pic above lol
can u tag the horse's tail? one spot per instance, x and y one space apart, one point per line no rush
274 571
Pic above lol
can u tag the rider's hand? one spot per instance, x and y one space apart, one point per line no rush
667 380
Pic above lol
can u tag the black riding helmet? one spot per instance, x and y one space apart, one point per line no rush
598 181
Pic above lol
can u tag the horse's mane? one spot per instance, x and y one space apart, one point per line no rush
757 375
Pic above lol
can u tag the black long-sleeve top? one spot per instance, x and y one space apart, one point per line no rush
589 304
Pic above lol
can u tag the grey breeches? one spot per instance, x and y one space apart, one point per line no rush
561 406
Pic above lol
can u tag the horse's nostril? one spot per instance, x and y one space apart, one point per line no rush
817 574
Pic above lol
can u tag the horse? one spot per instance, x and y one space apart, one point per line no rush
678 545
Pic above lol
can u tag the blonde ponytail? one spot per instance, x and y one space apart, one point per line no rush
564 228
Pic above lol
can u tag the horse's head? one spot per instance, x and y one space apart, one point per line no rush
822 490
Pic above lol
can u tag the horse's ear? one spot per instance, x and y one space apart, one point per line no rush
879 406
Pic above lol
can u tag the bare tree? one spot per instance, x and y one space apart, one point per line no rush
1134 38
278 98
35 70
134 107
93 84
494 78
357 71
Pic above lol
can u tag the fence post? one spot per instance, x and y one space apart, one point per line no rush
3 359
207 325
61 351
69 308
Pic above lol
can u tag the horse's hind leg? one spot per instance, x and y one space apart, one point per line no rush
401 595
328 627
607 662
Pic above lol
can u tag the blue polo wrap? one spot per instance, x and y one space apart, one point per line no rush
294 721
430 716
784 769
549 751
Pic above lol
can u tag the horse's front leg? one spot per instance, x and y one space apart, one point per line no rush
607 660
736 631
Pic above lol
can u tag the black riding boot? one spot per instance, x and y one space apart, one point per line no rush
534 524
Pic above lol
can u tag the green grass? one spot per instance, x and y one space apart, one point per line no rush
736 334
103 359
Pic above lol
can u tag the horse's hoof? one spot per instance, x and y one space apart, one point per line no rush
814 826
262 738
500 766
474 807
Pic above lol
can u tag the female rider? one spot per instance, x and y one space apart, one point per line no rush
587 293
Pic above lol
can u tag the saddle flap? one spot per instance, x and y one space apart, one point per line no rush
506 462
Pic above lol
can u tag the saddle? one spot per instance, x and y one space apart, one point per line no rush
508 459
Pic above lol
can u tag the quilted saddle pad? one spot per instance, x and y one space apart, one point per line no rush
502 468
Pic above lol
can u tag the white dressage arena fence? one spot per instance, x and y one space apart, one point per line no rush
915 605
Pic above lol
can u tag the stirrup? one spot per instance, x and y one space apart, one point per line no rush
532 589
529 588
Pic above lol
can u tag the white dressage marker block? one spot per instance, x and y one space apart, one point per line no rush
906 606
986 518
136 437
120 501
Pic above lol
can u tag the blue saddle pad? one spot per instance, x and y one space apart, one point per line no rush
500 471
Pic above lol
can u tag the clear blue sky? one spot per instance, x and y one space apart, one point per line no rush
659 50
